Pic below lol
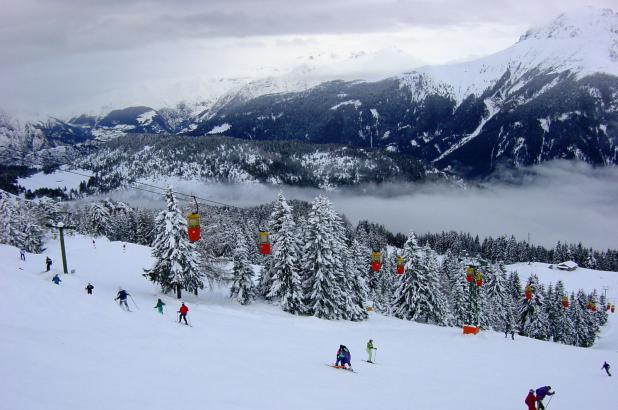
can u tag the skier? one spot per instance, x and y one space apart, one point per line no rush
124 247
48 262
370 350
89 288
531 400
183 313
509 329
122 297
606 367
22 254
541 392
56 279
159 306
94 245
344 357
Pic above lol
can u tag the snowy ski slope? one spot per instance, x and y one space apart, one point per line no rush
63 349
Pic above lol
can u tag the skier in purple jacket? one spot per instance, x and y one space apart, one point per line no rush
541 392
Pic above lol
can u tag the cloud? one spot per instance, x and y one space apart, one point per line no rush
558 201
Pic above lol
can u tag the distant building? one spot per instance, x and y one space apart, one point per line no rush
568 265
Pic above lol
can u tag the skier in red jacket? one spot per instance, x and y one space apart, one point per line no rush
183 313
531 400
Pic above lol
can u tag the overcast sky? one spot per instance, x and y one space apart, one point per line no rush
68 56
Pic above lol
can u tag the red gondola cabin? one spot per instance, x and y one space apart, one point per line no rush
469 273
264 243
528 292
565 302
400 265
376 261
193 228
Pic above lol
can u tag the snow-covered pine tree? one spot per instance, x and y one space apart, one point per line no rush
286 282
243 288
532 315
458 302
177 263
322 275
515 289
562 327
9 220
356 280
100 219
418 294
387 280
584 325
32 233
274 227
601 313
499 300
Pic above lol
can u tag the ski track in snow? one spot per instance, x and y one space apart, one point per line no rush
63 349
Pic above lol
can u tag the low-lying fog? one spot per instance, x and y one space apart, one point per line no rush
561 200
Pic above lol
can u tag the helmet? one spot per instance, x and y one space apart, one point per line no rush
531 391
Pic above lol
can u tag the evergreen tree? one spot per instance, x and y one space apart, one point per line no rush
177 264
355 278
532 315
499 300
418 294
100 219
286 280
275 224
242 289
32 234
323 279
584 325
454 270
562 327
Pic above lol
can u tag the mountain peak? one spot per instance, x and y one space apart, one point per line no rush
585 23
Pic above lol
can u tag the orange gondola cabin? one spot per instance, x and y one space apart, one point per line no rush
193 227
400 265
528 292
264 243
376 261
565 302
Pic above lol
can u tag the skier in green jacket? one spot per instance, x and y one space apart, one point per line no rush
159 306
370 350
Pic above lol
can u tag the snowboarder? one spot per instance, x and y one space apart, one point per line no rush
124 247
370 350
344 357
48 263
22 254
122 298
159 306
89 288
94 245
531 400
183 313
606 367
56 279
541 392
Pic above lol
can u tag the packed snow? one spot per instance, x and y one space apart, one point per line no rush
64 349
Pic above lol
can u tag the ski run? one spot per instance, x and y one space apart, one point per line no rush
64 349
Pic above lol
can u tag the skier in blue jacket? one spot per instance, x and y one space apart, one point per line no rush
56 279
541 392
344 357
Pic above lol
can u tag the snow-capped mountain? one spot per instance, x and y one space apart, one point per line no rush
553 94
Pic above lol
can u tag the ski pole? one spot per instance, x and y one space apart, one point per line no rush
375 353
137 307
189 320
549 401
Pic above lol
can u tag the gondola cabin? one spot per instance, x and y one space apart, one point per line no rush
264 243
565 302
479 278
528 292
376 261
193 227
469 274
400 265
